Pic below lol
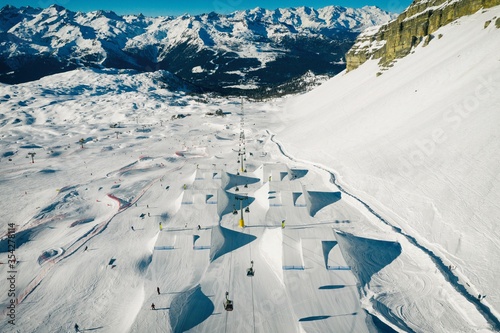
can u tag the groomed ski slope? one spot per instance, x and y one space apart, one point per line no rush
419 144
345 262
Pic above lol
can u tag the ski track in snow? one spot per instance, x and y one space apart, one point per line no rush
453 279
76 245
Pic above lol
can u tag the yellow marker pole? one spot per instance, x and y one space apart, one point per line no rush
242 222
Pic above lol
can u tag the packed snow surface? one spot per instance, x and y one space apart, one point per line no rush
366 205
420 144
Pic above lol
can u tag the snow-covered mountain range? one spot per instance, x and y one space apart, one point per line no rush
259 46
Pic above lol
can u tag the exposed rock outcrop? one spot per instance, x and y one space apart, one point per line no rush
396 38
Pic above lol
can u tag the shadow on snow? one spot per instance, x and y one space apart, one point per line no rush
189 309
367 256
226 240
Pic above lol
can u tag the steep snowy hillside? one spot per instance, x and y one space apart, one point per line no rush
258 47
419 143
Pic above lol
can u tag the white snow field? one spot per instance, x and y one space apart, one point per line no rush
420 145
148 200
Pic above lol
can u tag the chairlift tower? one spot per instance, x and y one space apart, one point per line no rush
32 157
241 162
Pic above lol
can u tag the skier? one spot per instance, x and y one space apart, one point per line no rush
161 227
158 290
283 224
77 328
199 227
153 306
86 247
132 227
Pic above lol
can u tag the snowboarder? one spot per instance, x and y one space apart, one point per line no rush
153 306
77 328
158 290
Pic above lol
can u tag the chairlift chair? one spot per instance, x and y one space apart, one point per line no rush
250 271
228 304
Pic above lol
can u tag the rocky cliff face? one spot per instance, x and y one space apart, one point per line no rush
396 38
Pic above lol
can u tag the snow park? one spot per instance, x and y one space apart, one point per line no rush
366 201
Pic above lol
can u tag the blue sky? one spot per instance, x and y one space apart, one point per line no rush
166 7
